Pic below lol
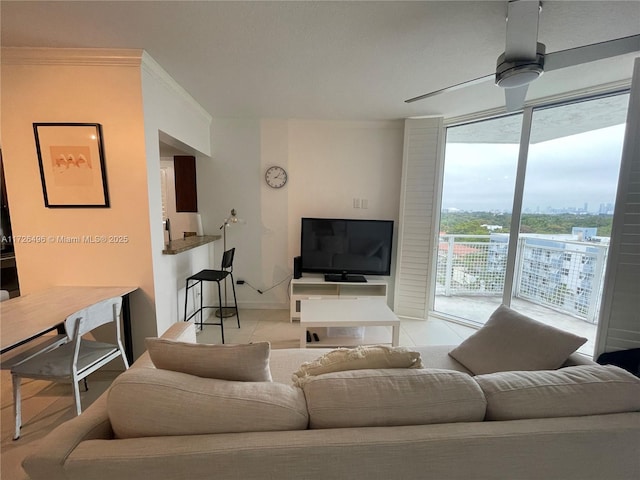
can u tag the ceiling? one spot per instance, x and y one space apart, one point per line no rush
328 60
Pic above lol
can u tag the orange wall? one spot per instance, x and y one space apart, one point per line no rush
50 91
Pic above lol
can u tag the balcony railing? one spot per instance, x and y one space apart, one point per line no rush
565 275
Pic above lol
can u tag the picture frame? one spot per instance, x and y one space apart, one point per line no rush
72 165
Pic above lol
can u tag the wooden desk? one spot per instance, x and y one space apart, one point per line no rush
34 314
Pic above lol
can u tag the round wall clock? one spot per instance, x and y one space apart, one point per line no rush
276 177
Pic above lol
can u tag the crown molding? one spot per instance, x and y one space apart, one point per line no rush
72 56
116 57
153 68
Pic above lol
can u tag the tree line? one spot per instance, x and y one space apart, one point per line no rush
470 223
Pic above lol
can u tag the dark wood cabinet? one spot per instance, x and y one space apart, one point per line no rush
186 191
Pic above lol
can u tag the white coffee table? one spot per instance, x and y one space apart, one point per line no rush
372 313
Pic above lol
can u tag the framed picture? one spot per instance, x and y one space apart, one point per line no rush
71 159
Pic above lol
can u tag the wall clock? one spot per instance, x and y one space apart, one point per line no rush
276 177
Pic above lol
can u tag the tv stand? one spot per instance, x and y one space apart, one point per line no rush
314 286
344 277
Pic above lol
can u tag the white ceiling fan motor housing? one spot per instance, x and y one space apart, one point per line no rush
512 74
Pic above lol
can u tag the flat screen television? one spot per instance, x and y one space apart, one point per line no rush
345 250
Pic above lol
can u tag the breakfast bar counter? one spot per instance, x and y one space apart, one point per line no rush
183 244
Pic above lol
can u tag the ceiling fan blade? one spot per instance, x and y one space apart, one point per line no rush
515 97
591 53
452 88
522 30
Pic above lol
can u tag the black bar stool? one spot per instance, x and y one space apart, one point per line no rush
217 276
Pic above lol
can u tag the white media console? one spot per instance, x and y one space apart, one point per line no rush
310 287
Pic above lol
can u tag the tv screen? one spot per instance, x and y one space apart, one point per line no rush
346 248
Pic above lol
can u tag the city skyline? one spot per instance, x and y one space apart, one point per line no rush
563 174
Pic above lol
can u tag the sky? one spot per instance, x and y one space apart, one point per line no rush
561 173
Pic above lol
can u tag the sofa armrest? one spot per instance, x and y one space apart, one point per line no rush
576 359
47 463
181 331
49 459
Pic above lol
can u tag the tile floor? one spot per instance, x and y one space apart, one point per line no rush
46 405
480 307
274 326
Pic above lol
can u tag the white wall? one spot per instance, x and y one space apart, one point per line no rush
276 258
329 164
170 110
231 179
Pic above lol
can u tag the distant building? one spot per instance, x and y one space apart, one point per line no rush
584 233
606 209
558 270
492 228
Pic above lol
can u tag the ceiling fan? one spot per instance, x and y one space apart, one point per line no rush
524 58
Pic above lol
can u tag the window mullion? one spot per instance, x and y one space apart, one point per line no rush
516 211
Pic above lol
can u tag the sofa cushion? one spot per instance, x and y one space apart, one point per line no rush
512 341
145 402
568 392
358 358
245 363
392 397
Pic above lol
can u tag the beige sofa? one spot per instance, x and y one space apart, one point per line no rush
572 447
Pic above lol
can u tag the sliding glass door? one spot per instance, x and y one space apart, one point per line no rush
567 210
563 198
481 159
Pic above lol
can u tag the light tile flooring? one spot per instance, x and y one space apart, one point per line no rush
480 307
274 326
46 405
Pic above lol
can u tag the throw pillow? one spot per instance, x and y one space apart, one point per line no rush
392 397
149 402
568 392
244 363
512 341
358 358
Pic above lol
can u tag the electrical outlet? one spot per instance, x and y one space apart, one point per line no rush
356 203
364 203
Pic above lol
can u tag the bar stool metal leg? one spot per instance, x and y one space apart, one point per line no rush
221 319
235 299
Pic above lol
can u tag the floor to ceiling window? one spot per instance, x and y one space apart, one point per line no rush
481 159
564 208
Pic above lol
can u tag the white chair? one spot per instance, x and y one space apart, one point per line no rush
76 359
39 345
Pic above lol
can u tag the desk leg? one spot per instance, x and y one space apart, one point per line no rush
396 336
126 328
